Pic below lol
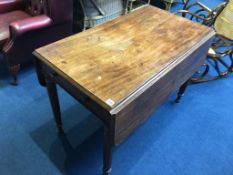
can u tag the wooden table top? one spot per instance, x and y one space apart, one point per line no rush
113 62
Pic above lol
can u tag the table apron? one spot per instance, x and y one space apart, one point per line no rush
82 98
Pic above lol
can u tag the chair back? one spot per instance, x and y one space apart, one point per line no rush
224 21
58 10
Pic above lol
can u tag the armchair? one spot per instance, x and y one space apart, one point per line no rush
28 24
220 54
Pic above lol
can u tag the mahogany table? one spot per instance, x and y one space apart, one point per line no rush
122 70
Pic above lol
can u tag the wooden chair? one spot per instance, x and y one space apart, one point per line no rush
221 19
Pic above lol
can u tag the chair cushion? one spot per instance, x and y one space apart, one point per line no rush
5 20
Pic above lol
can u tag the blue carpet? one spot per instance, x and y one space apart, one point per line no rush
193 137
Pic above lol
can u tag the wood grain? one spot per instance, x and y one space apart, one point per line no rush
133 114
110 62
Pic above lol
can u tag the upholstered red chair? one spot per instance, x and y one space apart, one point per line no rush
28 24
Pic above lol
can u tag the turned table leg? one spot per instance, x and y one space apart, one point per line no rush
53 97
107 155
182 91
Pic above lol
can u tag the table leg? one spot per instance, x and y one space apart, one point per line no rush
231 58
108 146
182 91
53 97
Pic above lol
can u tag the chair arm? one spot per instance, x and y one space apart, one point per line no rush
198 5
10 5
197 16
184 12
196 8
21 27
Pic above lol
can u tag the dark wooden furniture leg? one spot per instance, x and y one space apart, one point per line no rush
108 146
53 97
182 91
14 72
